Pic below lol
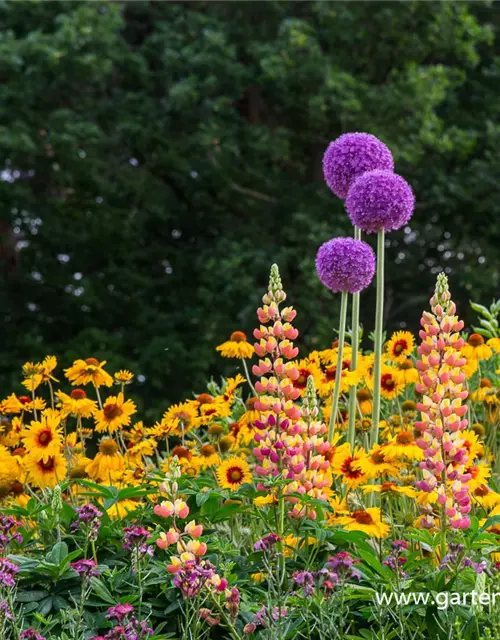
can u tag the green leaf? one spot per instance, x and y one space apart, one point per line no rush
100 589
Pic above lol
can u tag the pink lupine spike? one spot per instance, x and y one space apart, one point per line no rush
442 411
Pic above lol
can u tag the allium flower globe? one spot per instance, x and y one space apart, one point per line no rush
380 200
345 264
351 155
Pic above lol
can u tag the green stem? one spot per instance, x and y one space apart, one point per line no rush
354 357
379 317
249 380
338 372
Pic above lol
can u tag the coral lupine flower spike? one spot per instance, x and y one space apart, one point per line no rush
443 392
379 201
344 265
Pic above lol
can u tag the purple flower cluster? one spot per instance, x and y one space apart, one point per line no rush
5 612
193 576
380 200
351 155
342 565
85 568
128 627
305 580
264 618
395 560
7 532
31 634
89 517
267 542
8 571
345 264
135 539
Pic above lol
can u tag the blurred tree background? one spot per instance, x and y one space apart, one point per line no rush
158 157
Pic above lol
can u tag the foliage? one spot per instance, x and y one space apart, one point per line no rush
155 153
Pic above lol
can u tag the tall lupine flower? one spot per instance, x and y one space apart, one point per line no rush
290 441
443 412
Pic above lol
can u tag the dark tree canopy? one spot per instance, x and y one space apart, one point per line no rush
158 157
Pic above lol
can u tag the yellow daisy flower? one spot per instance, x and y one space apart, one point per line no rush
476 349
83 372
388 488
486 497
374 463
108 460
12 404
391 385
180 418
115 414
403 446
43 439
233 472
367 520
123 377
43 473
345 466
208 456
400 346
494 343
38 373
406 372
76 404
236 347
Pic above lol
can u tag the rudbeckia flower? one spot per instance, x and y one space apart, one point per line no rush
403 445
233 472
90 370
180 418
208 456
388 488
367 520
236 347
43 473
476 349
76 404
391 385
375 464
43 439
345 466
115 414
486 497
406 372
400 346
38 373
123 377
108 460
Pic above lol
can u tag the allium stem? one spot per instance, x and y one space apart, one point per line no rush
354 357
340 356
379 318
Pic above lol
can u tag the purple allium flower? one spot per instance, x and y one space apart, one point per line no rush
31 634
267 542
8 572
84 568
351 155
345 264
380 200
